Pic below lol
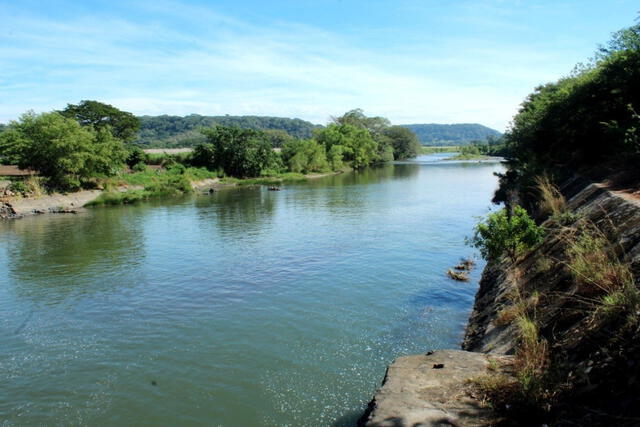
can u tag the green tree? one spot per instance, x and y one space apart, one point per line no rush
502 233
358 146
404 142
277 137
240 152
123 125
376 126
204 156
304 156
62 150
335 156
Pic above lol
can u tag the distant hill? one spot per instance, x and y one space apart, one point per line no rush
176 131
456 134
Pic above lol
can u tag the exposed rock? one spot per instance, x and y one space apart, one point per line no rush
431 390
615 213
55 203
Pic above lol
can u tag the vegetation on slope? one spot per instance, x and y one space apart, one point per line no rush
452 134
175 131
576 351
587 122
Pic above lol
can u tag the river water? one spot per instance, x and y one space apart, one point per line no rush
244 308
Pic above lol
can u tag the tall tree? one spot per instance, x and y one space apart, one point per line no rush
239 152
404 142
123 125
357 145
62 150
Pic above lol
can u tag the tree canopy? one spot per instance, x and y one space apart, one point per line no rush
176 131
356 144
123 125
404 142
451 134
62 150
239 152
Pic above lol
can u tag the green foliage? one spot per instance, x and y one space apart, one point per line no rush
335 156
469 150
404 142
586 118
358 146
136 156
502 233
374 125
157 183
278 137
240 152
175 131
123 125
139 167
203 155
304 156
454 134
62 150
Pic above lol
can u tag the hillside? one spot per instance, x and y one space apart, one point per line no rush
453 134
176 131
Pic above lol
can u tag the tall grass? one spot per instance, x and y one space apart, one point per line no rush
551 201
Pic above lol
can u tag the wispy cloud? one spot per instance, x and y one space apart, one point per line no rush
181 59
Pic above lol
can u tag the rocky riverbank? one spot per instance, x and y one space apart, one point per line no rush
594 361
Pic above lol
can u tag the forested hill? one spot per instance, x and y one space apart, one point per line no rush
176 131
455 134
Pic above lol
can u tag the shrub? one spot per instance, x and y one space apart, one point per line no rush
502 233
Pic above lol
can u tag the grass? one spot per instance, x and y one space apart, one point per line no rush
270 179
603 278
551 201
439 149
470 157
154 183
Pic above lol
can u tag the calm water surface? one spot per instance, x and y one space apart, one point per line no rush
245 308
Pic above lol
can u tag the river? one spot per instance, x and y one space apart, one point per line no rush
244 308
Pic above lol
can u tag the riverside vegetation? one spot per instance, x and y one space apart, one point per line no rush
89 145
576 342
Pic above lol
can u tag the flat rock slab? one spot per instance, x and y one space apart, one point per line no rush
52 203
432 390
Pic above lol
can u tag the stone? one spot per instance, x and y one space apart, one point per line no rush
431 390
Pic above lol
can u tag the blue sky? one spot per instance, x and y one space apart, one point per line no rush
413 61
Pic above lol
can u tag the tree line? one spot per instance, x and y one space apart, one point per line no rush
175 131
74 146
586 122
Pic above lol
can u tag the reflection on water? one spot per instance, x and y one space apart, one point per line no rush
245 307
61 253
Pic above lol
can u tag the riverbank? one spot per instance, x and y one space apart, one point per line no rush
585 346
145 185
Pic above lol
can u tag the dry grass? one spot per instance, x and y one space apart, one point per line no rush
593 264
552 202
35 186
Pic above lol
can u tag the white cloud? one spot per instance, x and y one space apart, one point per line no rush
220 65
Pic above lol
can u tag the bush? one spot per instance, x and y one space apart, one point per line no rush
136 156
502 233
139 167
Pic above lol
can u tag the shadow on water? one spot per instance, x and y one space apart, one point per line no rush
350 419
